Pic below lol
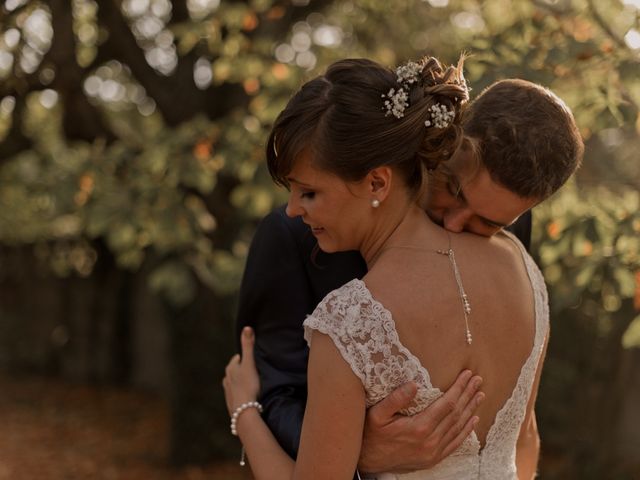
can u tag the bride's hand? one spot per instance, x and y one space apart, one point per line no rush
241 382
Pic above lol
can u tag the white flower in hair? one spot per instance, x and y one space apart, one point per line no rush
408 74
397 101
440 116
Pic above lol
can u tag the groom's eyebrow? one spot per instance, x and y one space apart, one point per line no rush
488 221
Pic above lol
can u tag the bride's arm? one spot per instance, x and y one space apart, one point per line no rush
241 385
528 446
334 417
333 421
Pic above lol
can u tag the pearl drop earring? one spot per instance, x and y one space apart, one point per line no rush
375 203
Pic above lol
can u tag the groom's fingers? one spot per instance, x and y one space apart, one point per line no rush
458 405
460 437
246 341
384 411
447 409
462 428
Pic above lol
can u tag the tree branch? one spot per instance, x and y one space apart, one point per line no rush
15 141
176 96
602 23
81 120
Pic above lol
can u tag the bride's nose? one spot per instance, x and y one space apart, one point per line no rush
294 208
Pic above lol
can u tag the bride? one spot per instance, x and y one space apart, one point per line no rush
353 147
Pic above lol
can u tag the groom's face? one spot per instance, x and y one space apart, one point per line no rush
468 199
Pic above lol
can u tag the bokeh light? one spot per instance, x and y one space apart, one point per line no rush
632 39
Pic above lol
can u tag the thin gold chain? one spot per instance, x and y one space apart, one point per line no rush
464 299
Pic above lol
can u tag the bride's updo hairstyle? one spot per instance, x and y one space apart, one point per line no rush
360 115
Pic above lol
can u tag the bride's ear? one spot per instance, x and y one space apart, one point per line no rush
379 182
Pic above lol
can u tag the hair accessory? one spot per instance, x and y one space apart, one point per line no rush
375 203
236 413
397 100
409 73
440 116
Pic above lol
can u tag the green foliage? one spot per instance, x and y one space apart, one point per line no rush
143 196
149 192
589 249
110 154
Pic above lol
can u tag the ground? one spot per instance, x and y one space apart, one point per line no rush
58 431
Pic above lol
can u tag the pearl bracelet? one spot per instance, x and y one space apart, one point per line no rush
238 411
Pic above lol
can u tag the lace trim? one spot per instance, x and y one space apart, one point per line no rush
364 332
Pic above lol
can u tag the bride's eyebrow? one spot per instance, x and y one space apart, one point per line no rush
293 180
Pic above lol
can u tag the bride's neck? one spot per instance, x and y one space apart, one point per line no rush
397 229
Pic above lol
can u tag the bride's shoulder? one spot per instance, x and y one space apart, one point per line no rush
351 293
506 244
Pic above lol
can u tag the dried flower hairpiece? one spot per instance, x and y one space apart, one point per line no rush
440 116
397 100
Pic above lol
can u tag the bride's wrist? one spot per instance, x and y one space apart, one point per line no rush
242 410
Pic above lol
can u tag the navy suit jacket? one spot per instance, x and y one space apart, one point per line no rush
284 280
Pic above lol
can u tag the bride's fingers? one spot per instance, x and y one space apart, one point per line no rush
233 360
233 363
247 339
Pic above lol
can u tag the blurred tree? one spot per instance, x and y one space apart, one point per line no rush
131 136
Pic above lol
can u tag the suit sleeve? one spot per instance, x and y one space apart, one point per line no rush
275 297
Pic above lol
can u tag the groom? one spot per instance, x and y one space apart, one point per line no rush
528 145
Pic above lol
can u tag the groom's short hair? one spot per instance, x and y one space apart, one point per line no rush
525 136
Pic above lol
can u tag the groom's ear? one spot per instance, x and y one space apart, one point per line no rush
379 182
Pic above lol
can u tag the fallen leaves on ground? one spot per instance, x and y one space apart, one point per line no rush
51 430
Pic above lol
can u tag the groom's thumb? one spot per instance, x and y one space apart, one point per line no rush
383 412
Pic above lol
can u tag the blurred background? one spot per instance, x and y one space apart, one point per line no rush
132 177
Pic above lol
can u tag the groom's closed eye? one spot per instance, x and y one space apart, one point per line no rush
455 188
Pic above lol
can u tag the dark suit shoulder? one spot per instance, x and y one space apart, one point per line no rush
278 232
288 241
521 228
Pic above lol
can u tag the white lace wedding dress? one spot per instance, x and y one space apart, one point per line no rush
365 334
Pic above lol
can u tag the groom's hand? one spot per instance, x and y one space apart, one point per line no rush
397 443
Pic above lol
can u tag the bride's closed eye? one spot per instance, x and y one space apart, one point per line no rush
309 195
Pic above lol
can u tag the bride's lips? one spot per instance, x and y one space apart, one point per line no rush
316 230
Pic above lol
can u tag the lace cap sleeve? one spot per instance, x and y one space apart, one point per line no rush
347 315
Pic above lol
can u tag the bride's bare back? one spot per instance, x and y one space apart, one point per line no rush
418 287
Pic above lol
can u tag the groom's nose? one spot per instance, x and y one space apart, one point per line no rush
455 220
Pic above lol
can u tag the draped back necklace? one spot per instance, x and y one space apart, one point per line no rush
464 299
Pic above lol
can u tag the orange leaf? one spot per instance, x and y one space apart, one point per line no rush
276 13
249 22
251 85
202 150
553 229
280 71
